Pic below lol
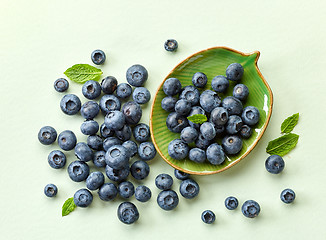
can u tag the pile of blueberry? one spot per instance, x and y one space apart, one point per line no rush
227 118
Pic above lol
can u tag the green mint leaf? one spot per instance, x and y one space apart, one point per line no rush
289 123
282 145
197 118
68 206
81 73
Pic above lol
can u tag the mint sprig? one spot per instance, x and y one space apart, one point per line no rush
289 123
81 73
282 145
197 118
68 206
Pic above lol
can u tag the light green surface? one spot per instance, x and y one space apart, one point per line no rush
39 40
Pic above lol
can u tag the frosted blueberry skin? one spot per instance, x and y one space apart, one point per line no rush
83 152
67 140
114 120
109 103
126 189
180 175
47 135
197 155
50 190
124 90
232 144
220 84
89 127
95 142
195 110
168 200
89 110
182 107
132 112
131 147
99 159
207 130
61 85
117 157
141 132
231 203
83 198
215 154
189 188
274 164
141 95
124 134
98 57
168 103
219 116
233 125
287 196
136 75
172 86
245 131
78 171
109 85
105 132
177 149
70 104
250 209
57 159
146 151
241 92
209 100
171 45
234 72
232 105
109 142
189 134
199 79
91 89
250 115
117 175
191 94
208 217
139 170
176 123
95 180
143 193
107 192
127 213
202 142
163 181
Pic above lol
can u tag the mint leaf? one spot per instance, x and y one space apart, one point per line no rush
282 145
289 123
68 206
81 73
197 118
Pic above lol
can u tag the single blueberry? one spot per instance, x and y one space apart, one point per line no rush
78 171
136 75
99 159
219 116
109 84
176 123
139 170
126 189
233 125
47 135
143 193
232 105
163 181
197 155
215 154
189 188
241 92
234 72
114 120
57 159
274 164
61 85
117 157
167 200
117 175
208 217
89 110
168 103
95 180
231 203
105 131
91 89
199 79
146 151
250 209
95 142
124 90
287 196
83 152
109 103
83 198
124 134
132 112
107 192
191 94
89 127
189 134
178 149
171 86
219 129
171 45
67 140
220 84
141 132
250 115
245 131
209 100
70 104
182 107
202 142
195 110
232 144
50 190
207 130
131 147
109 142
128 213
141 95
98 57
180 174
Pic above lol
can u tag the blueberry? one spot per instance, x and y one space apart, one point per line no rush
176 123
83 152
91 89
132 112
109 84
109 103
208 217
207 130
234 72
124 90
287 195
105 132
250 209
274 164
168 103
98 57
233 125
61 85
89 127
171 86
50 190
241 92
57 159
189 188
136 75
250 115
107 192
128 213
139 170
219 116
180 175
117 157
143 193
170 45
99 159
219 129
47 135
126 189
124 134
202 142
141 132
177 149
83 198
95 180
146 151
215 154
163 181
195 110
141 95
131 147
117 175
232 105
209 100
95 142
245 131
78 171
67 140
220 84
197 155
114 120
70 104
182 107
189 134
199 79
168 200
191 94
231 203
109 142
232 144
89 110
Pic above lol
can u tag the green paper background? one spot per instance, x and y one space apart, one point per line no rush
40 39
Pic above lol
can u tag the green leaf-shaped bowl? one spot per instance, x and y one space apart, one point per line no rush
213 62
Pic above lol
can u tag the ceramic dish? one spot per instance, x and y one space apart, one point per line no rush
212 62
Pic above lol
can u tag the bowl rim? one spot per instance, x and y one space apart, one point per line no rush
270 107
